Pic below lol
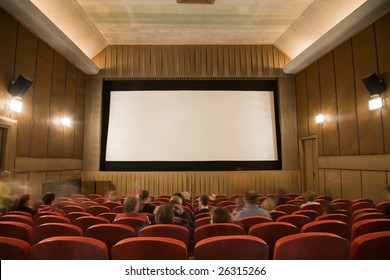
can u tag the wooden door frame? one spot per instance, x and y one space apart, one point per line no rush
302 163
7 159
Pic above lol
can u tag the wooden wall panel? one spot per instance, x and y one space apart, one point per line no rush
302 100
26 51
8 29
345 87
330 129
79 116
333 184
382 32
42 85
69 110
373 184
369 122
351 184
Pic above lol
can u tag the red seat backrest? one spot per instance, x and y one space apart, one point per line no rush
134 222
339 217
97 209
47 230
247 222
14 249
332 226
371 246
368 226
18 218
16 230
220 229
287 208
166 230
87 221
297 220
51 219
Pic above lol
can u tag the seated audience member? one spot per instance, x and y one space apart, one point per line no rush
5 198
220 215
330 208
240 205
268 204
113 196
310 197
182 217
49 200
165 215
186 195
251 207
386 211
130 209
183 201
213 198
281 197
144 206
203 205
22 204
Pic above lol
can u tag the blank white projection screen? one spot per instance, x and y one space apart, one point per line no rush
190 125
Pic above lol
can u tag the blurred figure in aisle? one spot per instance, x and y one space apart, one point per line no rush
131 208
145 206
268 204
49 200
240 205
113 196
187 196
251 207
5 199
310 198
220 215
203 204
23 204
386 211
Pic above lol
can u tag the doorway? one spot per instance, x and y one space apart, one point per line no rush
308 159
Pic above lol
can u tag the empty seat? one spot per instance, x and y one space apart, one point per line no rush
382 205
325 197
247 222
47 230
358 200
15 212
233 247
365 210
87 221
332 226
297 220
14 249
312 214
97 209
361 205
202 221
365 216
69 248
276 214
111 204
92 196
118 209
371 246
74 215
16 230
18 218
108 215
167 230
149 248
51 219
287 208
338 217
88 203
296 202
319 208
368 226
72 208
202 215
220 229
312 246
110 234
45 213
100 200
64 203
134 222
271 232
235 196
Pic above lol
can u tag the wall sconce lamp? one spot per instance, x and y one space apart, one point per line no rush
376 103
320 118
15 104
18 89
66 121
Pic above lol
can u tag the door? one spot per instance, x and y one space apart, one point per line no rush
309 164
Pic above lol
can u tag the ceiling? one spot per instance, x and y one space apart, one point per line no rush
86 27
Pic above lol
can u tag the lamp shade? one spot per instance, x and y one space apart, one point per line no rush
19 87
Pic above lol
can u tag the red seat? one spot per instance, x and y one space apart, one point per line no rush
149 248
362 200
271 232
382 205
338 217
166 230
325 197
14 249
235 196
371 246
292 195
64 203
47 230
97 209
297 220
69 248
220 229
312 246
109 216
111 204
202 215
319 208
247 222
74 215
332 226
45 213
87 221
276 214
312 214
365 210
118 209
202 221
72 208
368 226
342 205
15 212
88 203
63 198
365 216
100 200
233 247
134 222
51 219
362 205
296 202
16 230
110 234
226 203
287 208
92 196
18 218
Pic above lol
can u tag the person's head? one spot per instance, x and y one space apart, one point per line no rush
175 200
24 199
268 204
164 214
49 198
387 191
250 197
213 197
220 215
240 203
144 196
130 204
186 195
113 196
204 201
181 197
310 196
330 208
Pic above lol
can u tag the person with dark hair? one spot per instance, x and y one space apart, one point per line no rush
330 208
49 200
183 201
181 216
251 207
220 215
203 204
144 205
22 204
164 214
310 198
386 211
130 209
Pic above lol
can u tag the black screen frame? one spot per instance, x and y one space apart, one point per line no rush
168 84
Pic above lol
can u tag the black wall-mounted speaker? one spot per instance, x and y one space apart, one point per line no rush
374 84
19 87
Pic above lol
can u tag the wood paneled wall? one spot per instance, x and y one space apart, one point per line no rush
333 86
58 90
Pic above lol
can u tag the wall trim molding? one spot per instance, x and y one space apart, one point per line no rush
363 162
